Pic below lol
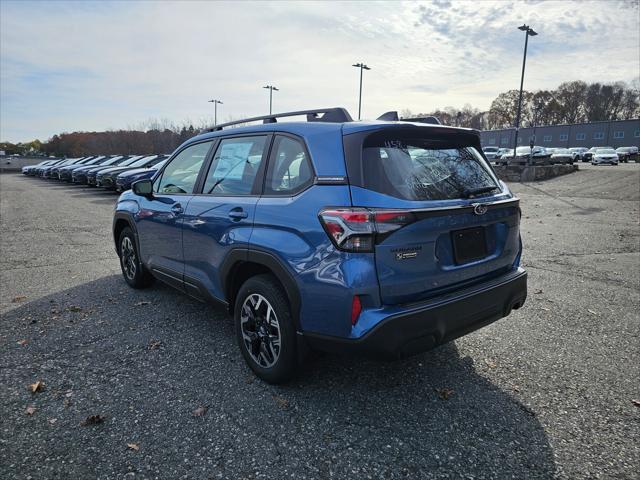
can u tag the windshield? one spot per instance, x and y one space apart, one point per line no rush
140 161
561 150
111 161
128 161
422 169
95 160
161 164
605 150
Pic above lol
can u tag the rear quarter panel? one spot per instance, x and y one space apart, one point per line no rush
289 229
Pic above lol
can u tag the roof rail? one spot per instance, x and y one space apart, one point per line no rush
336 114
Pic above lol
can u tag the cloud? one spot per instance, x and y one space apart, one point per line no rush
93 65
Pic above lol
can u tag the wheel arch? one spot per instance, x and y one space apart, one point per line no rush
121 220
242 264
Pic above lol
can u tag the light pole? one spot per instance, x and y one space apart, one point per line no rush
528 33
215 110
362 67
271 88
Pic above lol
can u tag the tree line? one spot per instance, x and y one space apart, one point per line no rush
571 102
151 137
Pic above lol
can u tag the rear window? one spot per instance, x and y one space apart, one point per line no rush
424 169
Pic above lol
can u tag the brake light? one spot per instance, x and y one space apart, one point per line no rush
356 229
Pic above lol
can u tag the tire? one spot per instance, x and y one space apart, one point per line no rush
271 362
133 271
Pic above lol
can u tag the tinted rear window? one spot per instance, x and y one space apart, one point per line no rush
423 168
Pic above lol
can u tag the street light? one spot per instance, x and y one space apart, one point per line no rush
528 33
362 67
271 88
215 110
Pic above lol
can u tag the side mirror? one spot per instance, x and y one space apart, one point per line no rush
143 188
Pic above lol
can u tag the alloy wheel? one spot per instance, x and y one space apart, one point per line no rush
260 330
128 258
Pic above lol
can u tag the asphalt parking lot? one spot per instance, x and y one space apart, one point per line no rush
547 392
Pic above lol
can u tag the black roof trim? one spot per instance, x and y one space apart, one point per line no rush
429 119
391 116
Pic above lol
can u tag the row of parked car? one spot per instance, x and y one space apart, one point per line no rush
545 155
113 172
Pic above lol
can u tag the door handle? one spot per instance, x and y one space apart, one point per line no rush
238 214
176 208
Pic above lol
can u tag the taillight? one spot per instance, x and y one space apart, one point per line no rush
356 229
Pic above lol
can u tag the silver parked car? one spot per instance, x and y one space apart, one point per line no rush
579 151
563 155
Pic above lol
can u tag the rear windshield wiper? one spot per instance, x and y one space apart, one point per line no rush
472 192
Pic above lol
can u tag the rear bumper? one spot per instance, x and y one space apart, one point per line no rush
421 327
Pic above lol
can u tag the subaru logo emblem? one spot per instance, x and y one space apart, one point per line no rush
479 209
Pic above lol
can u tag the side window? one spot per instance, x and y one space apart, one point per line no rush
289 168
181 173
235 166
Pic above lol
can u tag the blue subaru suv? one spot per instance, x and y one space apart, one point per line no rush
382 237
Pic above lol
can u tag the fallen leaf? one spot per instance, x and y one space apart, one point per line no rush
74 308
636 402
154 344
444 393
52 421
30 410
538 292
592 312
133 446
66 402
142 303
515 388
281 402
490 363
200 411
23 342
36 387
19 298
92 420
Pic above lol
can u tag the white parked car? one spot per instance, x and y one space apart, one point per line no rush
503 155
604 156
490 152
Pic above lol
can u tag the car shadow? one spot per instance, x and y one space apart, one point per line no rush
147 359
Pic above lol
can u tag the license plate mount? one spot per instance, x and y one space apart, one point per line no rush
469 244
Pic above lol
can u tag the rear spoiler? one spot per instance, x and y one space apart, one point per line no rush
392 116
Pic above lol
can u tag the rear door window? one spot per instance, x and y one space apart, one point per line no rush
235 166
424 169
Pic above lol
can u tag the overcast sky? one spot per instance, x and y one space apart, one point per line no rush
69 66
